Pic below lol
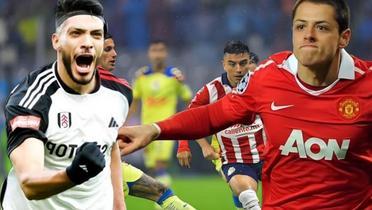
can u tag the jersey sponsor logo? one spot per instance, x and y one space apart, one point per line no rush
113 123
348 108
276 107
243 84
66 150
64 119
240 128
29 121
314 148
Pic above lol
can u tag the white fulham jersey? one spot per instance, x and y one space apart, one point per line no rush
42 106
239 143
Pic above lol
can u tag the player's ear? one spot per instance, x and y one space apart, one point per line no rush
345 37
56 41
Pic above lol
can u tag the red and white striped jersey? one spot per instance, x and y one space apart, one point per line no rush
238 143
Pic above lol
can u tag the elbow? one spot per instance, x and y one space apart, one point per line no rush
30 192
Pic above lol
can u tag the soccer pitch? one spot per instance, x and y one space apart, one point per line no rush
202 192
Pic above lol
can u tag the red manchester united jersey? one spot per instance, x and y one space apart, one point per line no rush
319 151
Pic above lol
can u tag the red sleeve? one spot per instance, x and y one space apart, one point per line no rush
201 98
183 146
206 120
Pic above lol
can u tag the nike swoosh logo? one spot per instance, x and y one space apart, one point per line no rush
276 108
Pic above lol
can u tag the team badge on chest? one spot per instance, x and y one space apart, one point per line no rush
64 119
348 108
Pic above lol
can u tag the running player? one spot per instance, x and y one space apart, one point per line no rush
238 144
158 86
135 182
315 103
62 147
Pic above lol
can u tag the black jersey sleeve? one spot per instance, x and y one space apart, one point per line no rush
26 109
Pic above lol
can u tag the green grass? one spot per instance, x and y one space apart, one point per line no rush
202 192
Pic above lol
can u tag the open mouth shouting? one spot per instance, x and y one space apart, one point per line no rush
84 63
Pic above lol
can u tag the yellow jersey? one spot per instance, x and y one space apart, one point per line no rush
159 93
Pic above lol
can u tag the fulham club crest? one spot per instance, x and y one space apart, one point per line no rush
64 119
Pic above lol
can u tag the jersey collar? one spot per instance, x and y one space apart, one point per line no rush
346 70
225 80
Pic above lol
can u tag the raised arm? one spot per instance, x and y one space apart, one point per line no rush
35 181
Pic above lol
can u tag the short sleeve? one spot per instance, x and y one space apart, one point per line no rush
24 122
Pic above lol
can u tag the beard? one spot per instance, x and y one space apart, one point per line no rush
66 59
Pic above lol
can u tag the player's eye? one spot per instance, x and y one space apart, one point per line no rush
232 64
108 49
299 27
97 35
322 28
75 33
243 63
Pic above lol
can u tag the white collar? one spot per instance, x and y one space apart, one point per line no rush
346 70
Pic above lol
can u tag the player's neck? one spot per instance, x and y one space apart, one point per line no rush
320 75
158 68
66 79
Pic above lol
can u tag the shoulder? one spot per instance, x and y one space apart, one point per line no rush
144 70
115 83
362 66
171 71
35 87
216 83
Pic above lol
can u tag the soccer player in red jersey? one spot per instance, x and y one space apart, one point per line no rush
316 106
240 163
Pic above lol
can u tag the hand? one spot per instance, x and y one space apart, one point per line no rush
184 158
178 75
209 153
132 138
88 162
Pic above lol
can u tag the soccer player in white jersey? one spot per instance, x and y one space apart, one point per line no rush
61 142
136 182
315 103
239 145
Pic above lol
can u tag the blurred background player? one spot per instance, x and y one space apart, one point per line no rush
158 87
135 182
239 144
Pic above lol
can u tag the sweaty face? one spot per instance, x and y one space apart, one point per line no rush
236 66
157 54
108 57
316 38
80 43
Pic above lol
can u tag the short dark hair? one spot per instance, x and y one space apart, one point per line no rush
235 47
254 57
157 41
341 9
107 36
69 8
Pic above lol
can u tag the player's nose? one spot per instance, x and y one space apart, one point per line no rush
86 42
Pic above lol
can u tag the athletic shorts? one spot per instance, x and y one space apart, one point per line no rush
130 175
158 151
252 170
